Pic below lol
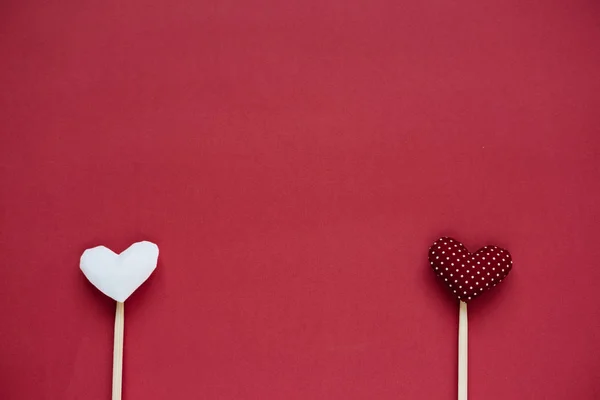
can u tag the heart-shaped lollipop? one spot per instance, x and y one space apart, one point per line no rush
118 276
468 275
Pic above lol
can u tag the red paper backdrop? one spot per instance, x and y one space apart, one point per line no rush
294 160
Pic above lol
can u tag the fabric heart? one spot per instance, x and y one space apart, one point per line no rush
119 275
468 275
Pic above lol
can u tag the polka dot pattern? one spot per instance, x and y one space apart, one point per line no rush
468 275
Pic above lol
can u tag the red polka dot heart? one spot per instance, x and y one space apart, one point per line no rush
468 275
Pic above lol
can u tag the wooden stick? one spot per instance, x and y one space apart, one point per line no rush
118 352
463 334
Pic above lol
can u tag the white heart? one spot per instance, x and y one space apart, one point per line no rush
119 275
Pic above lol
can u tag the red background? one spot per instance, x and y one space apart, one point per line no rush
294 160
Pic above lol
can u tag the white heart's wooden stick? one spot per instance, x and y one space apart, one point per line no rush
118 352
463 334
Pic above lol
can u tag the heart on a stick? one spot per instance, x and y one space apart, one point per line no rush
466 274
119 275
